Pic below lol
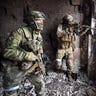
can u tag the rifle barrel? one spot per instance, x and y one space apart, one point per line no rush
86 26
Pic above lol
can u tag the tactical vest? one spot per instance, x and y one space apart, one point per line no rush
67 38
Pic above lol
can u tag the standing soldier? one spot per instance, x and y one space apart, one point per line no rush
66 37
22 55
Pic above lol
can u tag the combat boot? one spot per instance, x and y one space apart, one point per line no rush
69 75
70 78
75 76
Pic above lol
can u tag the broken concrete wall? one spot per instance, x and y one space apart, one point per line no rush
92 57
87 10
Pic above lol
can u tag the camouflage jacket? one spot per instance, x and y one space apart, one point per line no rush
21 42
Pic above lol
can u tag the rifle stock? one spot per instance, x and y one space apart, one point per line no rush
32 68
38 64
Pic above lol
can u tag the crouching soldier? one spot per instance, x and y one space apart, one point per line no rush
22 55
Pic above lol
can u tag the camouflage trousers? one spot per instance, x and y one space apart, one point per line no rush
68 54
32 85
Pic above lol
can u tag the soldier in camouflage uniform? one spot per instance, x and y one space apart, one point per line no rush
22 55
66 37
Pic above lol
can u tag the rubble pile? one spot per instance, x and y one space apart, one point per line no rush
57 85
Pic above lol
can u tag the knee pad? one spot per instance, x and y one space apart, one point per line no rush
58 63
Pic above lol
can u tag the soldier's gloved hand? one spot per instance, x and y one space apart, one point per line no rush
31 56
59 34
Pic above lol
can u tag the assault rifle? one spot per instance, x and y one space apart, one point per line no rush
38 65
82 29
34 67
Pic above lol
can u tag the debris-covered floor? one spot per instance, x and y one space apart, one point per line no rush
58 85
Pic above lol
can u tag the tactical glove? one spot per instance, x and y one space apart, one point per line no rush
31 57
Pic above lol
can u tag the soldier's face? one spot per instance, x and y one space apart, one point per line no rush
40 23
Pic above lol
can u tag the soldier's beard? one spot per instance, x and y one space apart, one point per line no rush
39 27
36 26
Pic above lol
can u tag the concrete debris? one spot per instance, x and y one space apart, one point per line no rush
58 85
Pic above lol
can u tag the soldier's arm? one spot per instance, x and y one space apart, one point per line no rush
75 28
80 29
59 31
12 49
83 31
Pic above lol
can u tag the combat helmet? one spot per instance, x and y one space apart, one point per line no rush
68 17
34 14
30 17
